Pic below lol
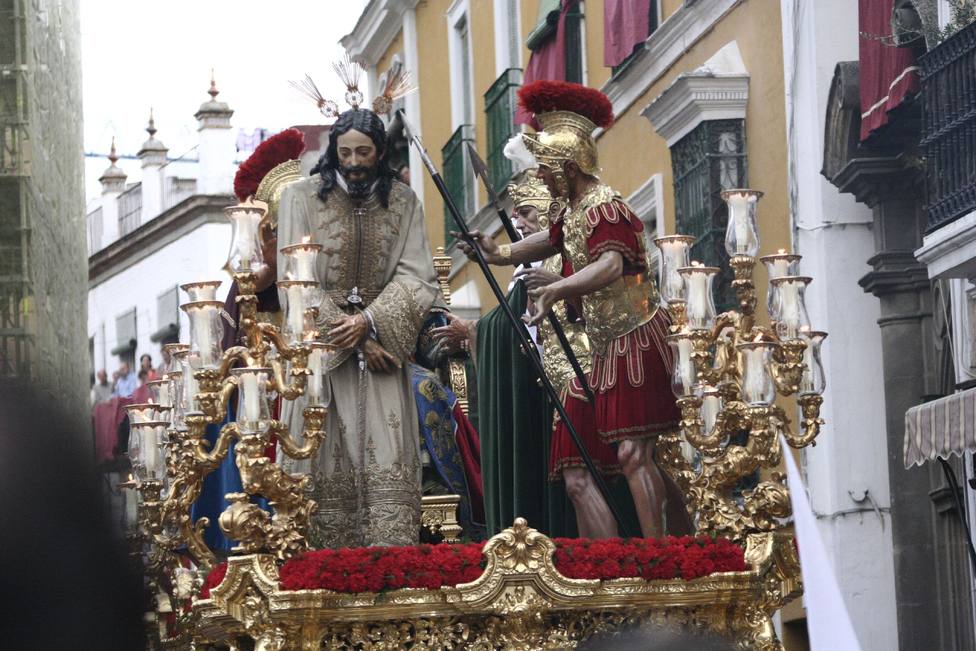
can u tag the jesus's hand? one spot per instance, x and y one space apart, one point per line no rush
348 331
377 357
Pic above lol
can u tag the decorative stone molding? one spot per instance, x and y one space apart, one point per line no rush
375 30
719 90
663 49
950 251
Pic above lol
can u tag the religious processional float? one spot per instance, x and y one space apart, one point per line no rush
521 589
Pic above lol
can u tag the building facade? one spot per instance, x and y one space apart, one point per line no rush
42 253
148 236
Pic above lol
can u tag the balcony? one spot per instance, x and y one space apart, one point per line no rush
500 103
458 177
130 209
948 76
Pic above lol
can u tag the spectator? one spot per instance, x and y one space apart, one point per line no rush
101 390
145 364
403 173
163 365
127 383
143 377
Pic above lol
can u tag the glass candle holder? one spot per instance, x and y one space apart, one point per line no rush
790 310
172 365
683 377
813 381
297 300
206 333
135 453
778 265
189 387
711 406
742 234
675 250
176 389
300 260
203 290
253 411
245 241
318 391
159 392
140 413
758 388
151 462
700 306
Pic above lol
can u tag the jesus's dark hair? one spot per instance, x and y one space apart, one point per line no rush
366 122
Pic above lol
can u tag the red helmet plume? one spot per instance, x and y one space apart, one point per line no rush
544 96
281 147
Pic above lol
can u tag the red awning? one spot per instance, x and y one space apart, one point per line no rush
625 24
888 73
547 62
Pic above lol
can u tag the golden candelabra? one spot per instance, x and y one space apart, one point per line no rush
168 445
728 371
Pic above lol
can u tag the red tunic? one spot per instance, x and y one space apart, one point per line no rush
631 376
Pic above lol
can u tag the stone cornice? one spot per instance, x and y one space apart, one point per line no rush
663 49
376 28
950 251
184 217
894 272
694 98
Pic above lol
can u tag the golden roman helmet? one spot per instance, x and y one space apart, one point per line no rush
567 114
531 191
565 136
271 186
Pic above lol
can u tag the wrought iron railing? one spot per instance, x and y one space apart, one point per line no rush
948 75
458 177
500 103
15 340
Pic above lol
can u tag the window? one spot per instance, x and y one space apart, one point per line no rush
94 230
458 177
130 208
652 25
167 317
711 158
125 335
500 104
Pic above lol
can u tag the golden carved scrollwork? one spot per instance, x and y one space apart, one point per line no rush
519 602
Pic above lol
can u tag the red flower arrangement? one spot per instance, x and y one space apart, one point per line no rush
378 569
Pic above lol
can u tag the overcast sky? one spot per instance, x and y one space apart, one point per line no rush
138 54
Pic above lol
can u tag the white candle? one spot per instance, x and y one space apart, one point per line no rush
756 383
739 207
131 506
150 451
313 389
674 255
789 299
249 387
711 406
697 294
296 312
165 399
685 368
305 264
246 228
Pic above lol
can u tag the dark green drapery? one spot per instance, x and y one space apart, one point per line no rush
515 425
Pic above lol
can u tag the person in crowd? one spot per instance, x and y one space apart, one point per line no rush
127 382
101 390
145 364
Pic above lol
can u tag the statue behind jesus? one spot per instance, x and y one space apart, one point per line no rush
378 282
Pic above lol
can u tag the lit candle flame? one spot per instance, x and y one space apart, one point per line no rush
306 239
757 339
781 252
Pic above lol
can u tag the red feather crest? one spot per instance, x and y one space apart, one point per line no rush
544 96
274 151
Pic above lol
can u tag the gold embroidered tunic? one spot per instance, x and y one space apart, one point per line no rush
366 477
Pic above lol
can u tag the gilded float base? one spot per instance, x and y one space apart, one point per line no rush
519 602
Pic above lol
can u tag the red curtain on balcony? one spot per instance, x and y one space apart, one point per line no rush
625 24
888 73
547 62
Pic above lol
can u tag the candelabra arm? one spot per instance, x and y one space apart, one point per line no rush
691 424
313 434
810 408
208 460
232 355
788 366
298 372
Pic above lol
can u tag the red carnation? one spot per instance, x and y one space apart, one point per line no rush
544 96
285 146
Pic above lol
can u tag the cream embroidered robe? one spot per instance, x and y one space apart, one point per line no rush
366 477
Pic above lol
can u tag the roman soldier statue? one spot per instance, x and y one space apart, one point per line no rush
605 281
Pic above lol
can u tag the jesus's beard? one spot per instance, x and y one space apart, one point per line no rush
359 189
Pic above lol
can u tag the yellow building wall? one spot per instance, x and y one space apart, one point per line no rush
630 151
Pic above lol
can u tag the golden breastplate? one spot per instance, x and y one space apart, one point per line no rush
623 305
554 360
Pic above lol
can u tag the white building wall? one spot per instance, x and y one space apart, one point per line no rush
846 471
200 255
